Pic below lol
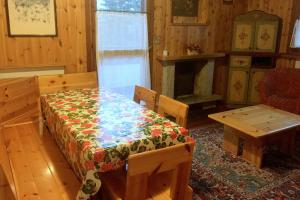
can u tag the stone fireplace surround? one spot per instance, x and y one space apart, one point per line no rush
202 72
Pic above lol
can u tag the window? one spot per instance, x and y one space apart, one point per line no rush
295 42
122 40
121 5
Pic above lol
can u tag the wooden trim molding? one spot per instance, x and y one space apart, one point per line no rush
294 17
90 10
290 56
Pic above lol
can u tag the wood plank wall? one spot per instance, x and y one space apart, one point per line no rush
67 49
214 37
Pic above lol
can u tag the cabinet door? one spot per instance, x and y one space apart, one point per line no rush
256 76
243 35
238 86
266 36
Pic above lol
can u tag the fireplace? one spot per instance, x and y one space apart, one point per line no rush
190 78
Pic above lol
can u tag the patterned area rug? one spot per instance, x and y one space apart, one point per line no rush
221 176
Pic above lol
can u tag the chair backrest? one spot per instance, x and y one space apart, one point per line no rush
168 106
146 95
176 158
55 83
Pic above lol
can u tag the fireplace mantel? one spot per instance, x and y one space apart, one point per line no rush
174 59
203 80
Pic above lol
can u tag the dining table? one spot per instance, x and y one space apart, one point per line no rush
97 130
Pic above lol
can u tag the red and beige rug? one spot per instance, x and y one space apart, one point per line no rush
218 175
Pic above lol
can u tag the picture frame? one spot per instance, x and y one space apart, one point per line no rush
35 18
185 8
194 15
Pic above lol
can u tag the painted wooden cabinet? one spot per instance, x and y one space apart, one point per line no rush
243 83
255 31
254 47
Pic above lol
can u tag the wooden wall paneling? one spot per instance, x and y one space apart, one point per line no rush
63 31
71 32
2 30
150 21
285 62
81 36
158 42
67 49
220 77
90 10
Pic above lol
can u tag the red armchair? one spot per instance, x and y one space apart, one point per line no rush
281 89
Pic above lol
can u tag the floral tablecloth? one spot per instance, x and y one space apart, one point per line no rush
97 131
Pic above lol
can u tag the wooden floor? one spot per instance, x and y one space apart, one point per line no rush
198 117
39 167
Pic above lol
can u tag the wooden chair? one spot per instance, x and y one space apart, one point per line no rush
168 106
159 174
146 95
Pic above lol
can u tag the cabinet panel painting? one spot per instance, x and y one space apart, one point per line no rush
243 37
238 86
256 78
266 37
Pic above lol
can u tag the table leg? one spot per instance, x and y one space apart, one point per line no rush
288 142
253 152
231 140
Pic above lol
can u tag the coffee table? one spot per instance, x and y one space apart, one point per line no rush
257 127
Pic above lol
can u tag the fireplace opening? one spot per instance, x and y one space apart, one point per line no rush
193 82
184 78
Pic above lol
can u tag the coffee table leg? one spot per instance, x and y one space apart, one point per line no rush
231 140
253 152
288 142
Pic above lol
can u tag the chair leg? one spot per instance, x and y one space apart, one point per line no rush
136 187
189 193
181 181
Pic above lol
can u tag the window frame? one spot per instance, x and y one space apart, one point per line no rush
295 16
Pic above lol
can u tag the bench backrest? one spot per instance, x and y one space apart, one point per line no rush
55 83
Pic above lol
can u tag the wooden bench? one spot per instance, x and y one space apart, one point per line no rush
32 167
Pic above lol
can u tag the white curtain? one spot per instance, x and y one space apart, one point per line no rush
296 35
123 57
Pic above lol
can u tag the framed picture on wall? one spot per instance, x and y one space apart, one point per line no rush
31 17
185 8
189 12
